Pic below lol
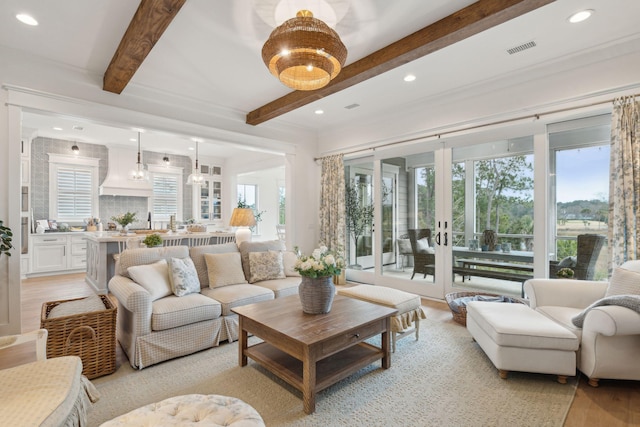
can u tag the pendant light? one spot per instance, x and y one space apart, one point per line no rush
196 177
304 53
139 173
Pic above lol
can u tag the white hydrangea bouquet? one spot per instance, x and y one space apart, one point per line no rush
321 263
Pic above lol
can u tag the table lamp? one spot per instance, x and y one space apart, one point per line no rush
243 219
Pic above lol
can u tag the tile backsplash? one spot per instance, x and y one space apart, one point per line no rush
109 205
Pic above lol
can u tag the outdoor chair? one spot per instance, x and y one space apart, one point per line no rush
589 246
423 259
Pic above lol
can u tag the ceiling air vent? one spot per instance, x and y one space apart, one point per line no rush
524 46
352 106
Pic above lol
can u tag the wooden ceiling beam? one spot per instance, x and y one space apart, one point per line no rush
145 29
471 20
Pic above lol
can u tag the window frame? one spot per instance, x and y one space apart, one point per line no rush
169 171
77 163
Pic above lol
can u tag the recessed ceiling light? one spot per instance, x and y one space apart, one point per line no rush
581 16
133 140
26 19
409 78
191 148
319 112
57 128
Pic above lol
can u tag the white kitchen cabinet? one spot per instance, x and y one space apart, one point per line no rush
211 200
58 253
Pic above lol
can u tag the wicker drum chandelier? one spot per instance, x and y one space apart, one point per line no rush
304 53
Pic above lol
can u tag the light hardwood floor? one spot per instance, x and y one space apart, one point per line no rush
613 404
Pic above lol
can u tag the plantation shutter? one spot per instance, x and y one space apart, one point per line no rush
74 193
165 195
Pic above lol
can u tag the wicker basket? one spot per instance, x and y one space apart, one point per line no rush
460 316
91 336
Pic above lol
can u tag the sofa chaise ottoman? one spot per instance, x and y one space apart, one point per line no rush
518 338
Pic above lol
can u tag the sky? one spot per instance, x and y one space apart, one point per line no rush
583 174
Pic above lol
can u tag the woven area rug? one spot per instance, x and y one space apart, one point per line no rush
444 379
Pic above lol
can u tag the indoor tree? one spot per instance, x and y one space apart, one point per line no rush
359 214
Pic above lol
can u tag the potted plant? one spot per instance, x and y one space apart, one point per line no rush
5 240
152 240
317 270
125 220
565 273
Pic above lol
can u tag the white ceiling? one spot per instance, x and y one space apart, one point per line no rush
210 55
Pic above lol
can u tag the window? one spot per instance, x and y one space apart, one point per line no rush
248 195
73 187
579 185
167 192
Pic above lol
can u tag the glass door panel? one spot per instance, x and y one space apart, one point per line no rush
359 215
408 236
492 216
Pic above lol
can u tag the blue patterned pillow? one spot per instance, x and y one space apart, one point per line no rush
183 276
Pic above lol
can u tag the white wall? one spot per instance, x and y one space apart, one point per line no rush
598 75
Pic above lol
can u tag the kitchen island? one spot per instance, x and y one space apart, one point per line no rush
102 246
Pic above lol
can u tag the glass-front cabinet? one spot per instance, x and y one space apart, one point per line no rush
209 197
211 200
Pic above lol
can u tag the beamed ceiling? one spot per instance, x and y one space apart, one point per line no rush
152 18
199 61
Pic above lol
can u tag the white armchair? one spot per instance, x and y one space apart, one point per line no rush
47 392
610 336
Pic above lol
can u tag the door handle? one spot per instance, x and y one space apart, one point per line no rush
446 239
438 239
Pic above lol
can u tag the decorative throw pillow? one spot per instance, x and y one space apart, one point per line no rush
266 266
422 245
224 269
289 260
183 276
262 246
623 282
153 277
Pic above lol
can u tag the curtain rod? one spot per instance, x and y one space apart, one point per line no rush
438 135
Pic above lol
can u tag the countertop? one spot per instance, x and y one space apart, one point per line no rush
60 233
115 236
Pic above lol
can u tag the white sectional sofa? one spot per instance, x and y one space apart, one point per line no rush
155 324
610 311
593 326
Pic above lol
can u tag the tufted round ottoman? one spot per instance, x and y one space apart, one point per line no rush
192 409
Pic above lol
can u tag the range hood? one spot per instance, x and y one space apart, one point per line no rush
118 181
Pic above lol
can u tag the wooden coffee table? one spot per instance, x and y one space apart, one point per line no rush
313 351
